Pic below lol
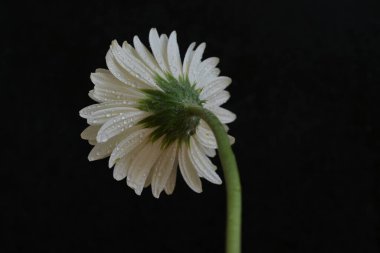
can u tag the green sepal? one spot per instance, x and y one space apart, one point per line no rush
168 107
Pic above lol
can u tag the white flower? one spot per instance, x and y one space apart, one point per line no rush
140 119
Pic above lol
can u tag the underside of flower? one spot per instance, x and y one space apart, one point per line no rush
142 121
169 117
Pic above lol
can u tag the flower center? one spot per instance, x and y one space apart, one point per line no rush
168 107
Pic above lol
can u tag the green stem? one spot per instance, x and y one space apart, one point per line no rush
231 176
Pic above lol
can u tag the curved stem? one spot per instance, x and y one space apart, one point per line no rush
231 176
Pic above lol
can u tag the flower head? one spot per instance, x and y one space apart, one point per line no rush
141 119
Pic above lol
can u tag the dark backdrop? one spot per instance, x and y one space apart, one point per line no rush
306 78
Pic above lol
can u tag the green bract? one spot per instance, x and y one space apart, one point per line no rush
168 107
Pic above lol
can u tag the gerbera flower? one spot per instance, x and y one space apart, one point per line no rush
141 119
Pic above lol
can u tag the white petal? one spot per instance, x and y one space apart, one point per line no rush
107 95
105 79
90 133
88 111
158 47
119 124
148 180
188 170
174 58
210 152
108 88
132 64
187 59
217 99
102 150
103 116
164 39
101 70
146 56
202 164
163 169
137 60
122 74
214 87
170 184
141 166
121 168
232 139
224 115
164 45
92 142
211 75
195 61
123 164
100 113
132 140
205 67
91 95
205 136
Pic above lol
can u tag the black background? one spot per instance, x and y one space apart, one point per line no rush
306 78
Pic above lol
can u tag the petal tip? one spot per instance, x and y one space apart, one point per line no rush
83 113
173 34
117 176
156 194
111 162
153 31
202 45
138 191
114 43
136 39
